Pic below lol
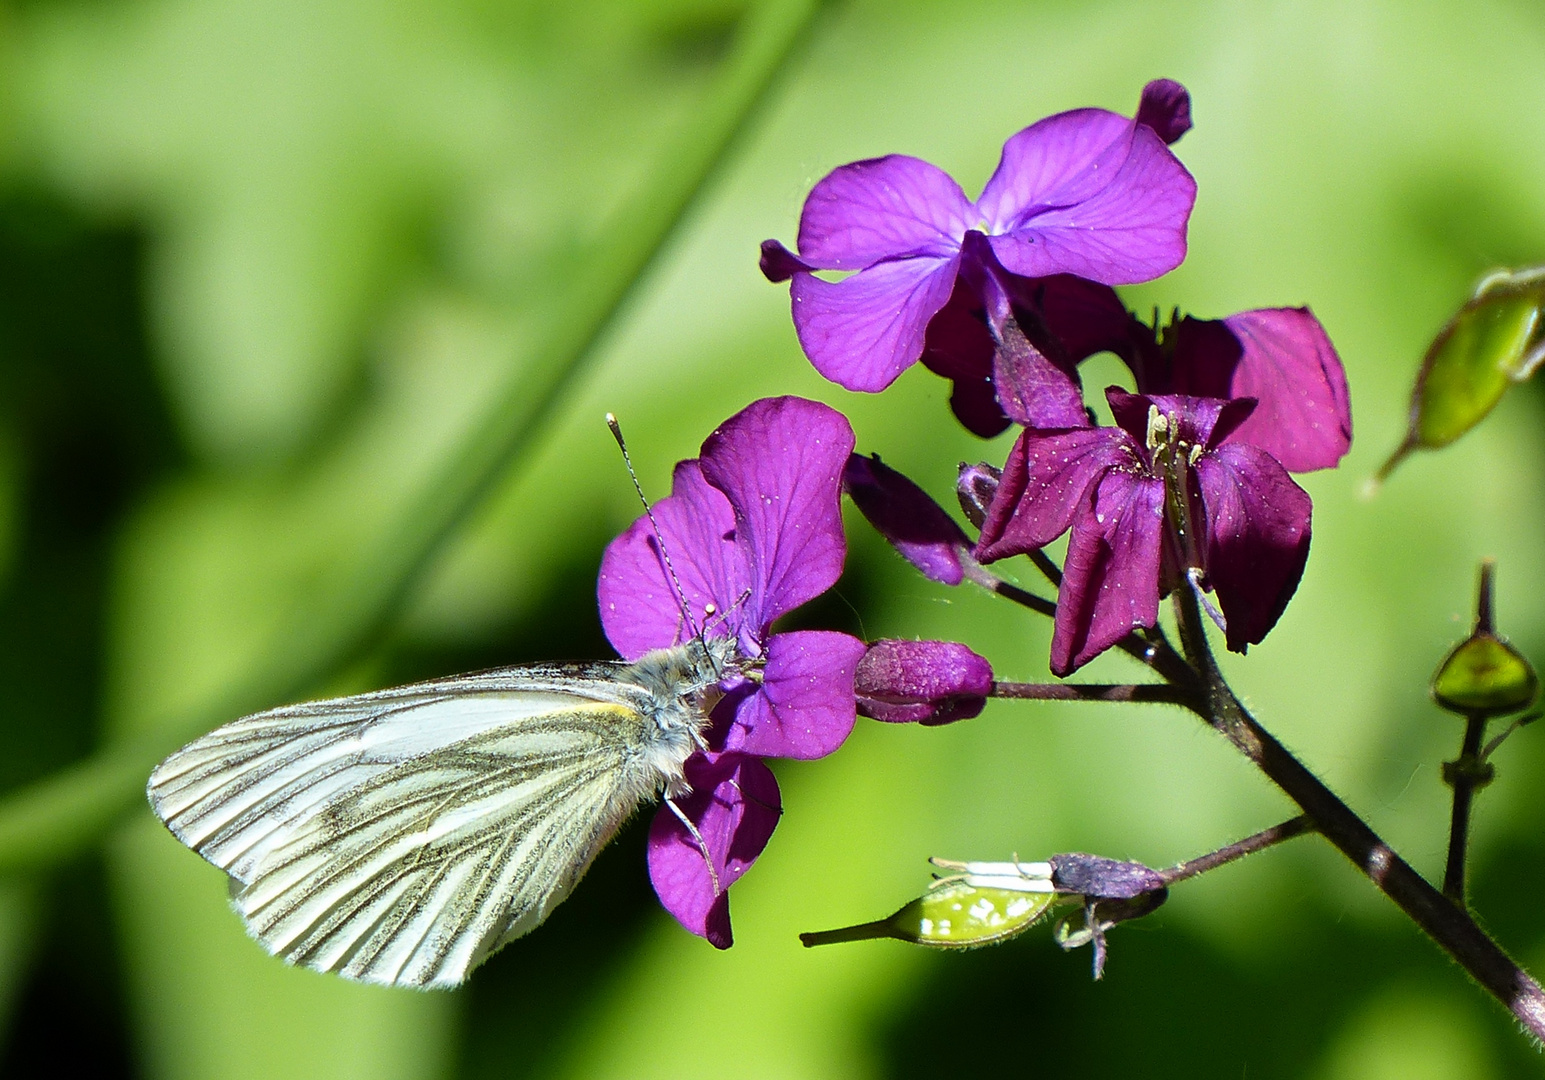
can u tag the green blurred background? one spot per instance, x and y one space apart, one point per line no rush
261 262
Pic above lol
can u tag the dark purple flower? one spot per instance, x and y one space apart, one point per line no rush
1087 192
1281 357
902 512
1249 522
753 528
926 682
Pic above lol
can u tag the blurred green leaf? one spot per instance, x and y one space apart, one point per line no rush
341 603
1494 341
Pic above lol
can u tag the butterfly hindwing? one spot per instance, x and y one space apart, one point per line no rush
400 837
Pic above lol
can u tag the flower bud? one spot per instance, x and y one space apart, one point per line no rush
903 513
1495 340
925 682
951 915
975 487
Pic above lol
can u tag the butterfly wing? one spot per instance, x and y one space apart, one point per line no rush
400 837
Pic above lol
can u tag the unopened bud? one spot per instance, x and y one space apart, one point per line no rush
925 682
975 487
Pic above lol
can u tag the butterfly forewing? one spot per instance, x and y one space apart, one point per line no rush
399 837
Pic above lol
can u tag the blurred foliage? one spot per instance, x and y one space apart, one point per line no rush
264 260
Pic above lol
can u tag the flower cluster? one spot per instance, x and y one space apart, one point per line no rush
1005 295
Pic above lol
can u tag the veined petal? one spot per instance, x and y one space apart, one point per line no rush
780 461
805 706
1052 163
640 609
882 208
1048 477
1090 193
863 331
1257 534
1304 413
1110 579
734 805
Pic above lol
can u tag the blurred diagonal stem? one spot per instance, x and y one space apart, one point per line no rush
49 821
1446 922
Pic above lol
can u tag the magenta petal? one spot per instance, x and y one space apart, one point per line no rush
640 610
863 331
1257 537
1304 415
1047 478
780 461
1110 579
734 804
928 682
1090 193
1165 107
804 708
882 208
910 521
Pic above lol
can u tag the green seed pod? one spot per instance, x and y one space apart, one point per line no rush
951 915
1495 340
1484 675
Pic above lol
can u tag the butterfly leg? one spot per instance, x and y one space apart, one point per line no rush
702 845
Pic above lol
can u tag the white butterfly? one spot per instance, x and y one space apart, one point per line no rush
402 836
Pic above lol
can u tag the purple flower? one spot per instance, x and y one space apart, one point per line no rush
753 528
1248 522
1086 192
925 682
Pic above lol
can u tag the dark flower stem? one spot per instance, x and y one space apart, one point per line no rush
1445 922
1239 849
1152 649
1162 693
1469 772
1465 775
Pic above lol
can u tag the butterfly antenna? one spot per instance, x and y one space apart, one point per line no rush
665 555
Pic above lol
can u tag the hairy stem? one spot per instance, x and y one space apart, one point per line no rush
1150 647
1163 693
1444 921
1239 849
1466 774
